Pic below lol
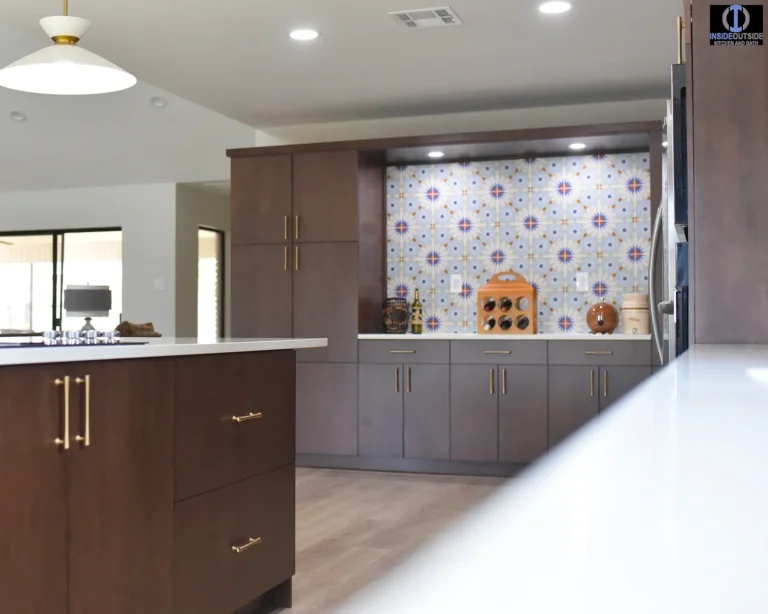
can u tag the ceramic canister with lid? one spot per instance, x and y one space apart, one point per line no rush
635 317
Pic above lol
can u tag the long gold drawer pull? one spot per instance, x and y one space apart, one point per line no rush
397 379
296 227
503 381
58 441
498 351
599 353
402 351
253 541
591 383
248 418
296 257
285 259
86 440
491 380
285 228
409 380
605 383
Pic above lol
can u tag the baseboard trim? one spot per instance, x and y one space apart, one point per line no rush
408 465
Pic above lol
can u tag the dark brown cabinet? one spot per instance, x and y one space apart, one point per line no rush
261 199
326 408
615 382
325 196
325 299
426 412
523 417
573 399
121 487
262 291
33 521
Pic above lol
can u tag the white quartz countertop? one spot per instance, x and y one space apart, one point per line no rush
659 505
157 347
476 337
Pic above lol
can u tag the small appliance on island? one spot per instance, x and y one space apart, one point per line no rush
507 305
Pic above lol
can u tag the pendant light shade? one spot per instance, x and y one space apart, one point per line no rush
64 68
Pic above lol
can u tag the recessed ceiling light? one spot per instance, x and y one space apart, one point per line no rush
304 35
664 144
18 116
577 146
554 8
435 154
158 102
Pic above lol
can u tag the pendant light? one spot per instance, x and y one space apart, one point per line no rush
64 68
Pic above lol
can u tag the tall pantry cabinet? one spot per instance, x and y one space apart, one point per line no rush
308 261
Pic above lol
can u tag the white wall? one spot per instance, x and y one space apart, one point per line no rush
147 216
195 208
510 119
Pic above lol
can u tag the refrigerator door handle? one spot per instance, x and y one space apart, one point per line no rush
655 323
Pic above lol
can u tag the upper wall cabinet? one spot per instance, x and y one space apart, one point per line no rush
261 199
325 196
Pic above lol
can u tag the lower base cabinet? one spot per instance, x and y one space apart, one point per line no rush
326 408
615 382
498 413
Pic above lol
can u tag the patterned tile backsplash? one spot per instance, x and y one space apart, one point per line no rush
546 218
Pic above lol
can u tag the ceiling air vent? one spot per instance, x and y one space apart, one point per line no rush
427 18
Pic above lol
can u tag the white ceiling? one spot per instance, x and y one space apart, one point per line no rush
234 56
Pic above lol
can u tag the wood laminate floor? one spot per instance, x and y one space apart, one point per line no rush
354 526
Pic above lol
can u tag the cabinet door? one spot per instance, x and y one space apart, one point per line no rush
427 411
261 199
474 413
326 408
380 410
573 400
33 519
262 291
615 382
121 488
325 300
325 189
522 413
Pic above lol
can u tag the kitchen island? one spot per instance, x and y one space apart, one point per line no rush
149 478
658 506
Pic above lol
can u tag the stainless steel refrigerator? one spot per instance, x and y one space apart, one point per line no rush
670 311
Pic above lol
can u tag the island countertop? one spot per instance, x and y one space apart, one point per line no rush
154 348
657 506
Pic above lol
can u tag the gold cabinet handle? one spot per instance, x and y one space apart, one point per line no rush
408 377
605 383
59 441
491 380
503 381
680 42
247 418
402 351
86 439
285 228
285 258
296 227
599 353
498 351
296 257
591 383
253 541
397 379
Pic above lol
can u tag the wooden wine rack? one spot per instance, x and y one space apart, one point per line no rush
516 288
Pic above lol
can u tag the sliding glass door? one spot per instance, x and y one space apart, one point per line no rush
36 268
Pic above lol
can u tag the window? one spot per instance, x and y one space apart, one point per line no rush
210 284
36 268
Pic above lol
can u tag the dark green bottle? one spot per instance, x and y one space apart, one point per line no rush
417 315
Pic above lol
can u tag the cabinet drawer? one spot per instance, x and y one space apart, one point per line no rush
211 449
499 352
209 577
417 351
600 352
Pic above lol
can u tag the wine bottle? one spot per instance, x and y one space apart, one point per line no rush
522 322
490 304
505 304
417 315
490 323
506 323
